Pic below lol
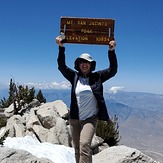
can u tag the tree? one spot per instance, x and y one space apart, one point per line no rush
108 130
12 92
40 97
3 103
20 95
31 95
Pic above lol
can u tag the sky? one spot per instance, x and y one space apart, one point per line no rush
28 52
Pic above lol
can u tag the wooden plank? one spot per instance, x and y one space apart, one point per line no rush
87 30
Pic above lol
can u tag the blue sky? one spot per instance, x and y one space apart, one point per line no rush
29 54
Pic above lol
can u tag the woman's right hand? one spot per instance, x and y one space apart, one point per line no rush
59 41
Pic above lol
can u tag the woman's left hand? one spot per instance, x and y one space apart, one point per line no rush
112 45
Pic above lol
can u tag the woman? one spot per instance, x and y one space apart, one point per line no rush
87 101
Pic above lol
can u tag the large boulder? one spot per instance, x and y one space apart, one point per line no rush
61 107
16 126
9 112
8 155
122 154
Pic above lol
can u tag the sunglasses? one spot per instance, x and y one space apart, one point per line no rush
83 61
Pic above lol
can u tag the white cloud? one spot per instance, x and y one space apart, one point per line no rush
42 85
52 85
62 85
115 89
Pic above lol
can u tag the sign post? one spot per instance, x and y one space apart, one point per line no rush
87 30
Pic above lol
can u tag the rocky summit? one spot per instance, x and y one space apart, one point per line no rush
46 122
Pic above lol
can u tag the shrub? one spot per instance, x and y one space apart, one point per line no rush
108 130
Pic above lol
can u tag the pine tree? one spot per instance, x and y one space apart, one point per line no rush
12 91
108 130
31 94
40 97
3 103
20 95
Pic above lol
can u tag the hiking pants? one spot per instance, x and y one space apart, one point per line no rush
82 133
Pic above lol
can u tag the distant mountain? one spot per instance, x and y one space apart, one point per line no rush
3 93
57 94
139 104
140 117
122 111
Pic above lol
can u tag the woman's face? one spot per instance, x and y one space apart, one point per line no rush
85 66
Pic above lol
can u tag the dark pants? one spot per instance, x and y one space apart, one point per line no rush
82 134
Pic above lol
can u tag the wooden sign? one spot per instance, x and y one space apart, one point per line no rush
87 30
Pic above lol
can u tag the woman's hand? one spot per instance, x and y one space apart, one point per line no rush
112 45
59 41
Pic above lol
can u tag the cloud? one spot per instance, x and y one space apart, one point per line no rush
62 85
115 89
52 85
41 85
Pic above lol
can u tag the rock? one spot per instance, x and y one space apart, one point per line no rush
44 120
8 155
9 112
31 119
61 107
34 103
16 126
121 154
47 116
